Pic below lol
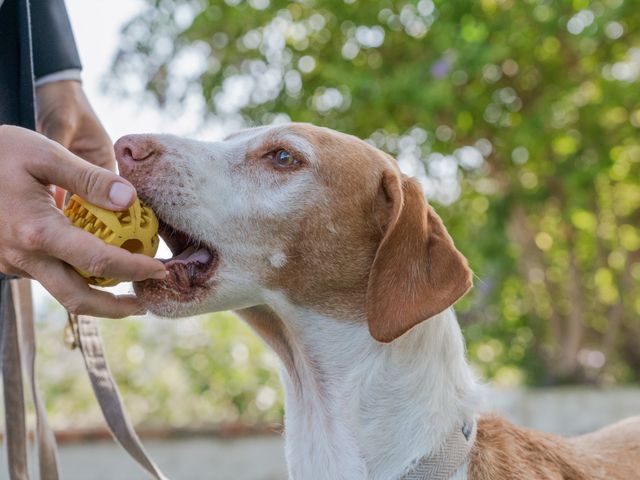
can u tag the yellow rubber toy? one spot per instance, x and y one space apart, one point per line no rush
135 230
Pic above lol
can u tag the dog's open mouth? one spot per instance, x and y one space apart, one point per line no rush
193 262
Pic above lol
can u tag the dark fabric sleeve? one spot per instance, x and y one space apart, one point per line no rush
16 73
54 48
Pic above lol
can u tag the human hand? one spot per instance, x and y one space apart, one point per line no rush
65 116
37 240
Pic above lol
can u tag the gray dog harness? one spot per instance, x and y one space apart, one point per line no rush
448 459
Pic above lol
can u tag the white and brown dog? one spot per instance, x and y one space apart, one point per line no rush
334 258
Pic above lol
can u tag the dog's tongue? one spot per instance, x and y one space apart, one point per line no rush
192 254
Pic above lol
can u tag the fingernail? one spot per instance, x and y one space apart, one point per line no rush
121 194
161 275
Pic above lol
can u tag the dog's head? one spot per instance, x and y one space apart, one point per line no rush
320 217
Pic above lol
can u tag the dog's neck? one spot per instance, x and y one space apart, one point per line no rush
357 409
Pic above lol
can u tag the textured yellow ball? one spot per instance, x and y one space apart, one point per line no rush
135 229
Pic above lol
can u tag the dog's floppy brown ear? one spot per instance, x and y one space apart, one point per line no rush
417 271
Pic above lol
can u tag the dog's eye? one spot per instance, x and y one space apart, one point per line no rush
284 159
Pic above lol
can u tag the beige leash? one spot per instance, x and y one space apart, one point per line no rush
16 433
23 303
16 333
107 394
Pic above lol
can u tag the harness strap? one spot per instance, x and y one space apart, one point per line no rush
444 462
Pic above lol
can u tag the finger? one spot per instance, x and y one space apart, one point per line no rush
96 185
85 251
77 297
10 270
59 195
58 131
94 145
102 157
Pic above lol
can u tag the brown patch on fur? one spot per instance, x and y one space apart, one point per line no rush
417 272
505 452
335 243
372 242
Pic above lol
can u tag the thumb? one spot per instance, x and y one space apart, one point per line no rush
95 184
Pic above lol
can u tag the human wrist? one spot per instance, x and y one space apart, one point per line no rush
58 87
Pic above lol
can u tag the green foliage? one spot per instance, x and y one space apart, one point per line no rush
520 118
194 372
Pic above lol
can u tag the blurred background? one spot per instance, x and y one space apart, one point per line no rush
521 119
